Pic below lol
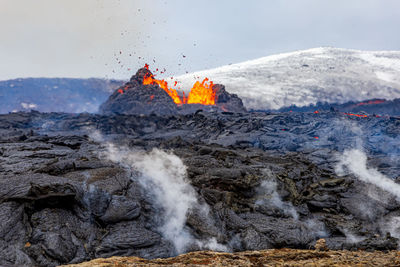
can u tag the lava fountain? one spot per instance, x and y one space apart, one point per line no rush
201 92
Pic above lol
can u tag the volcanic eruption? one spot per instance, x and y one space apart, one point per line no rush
144 94
201 93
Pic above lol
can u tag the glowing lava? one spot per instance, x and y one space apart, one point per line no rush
164 85
357 115
201 93
371 102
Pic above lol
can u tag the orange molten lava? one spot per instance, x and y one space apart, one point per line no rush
357 115
371 102
164 85
201 93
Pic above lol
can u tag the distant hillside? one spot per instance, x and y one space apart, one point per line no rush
55 94
306 77
372 106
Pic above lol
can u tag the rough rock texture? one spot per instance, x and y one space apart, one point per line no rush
226 101
273 257
268 183
379 107
136 98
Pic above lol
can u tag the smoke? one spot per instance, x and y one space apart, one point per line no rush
271 198
163 175
354 161
317 228
392 226
95 135
268 196
352 238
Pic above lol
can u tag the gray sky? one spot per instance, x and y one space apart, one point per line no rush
104 38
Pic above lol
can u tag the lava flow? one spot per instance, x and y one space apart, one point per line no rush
371 102
356 115
201 93
149 79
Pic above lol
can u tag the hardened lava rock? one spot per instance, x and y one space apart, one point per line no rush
267 182
136 98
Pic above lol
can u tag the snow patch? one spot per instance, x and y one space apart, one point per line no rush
28 105
387 77
382 61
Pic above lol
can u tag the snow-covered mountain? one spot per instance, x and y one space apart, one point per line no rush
306 77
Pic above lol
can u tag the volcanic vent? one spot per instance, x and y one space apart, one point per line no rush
144 94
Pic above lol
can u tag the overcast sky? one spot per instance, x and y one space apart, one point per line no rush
111 39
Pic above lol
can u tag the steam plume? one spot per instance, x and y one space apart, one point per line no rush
268 187
354 161
270 197
164 176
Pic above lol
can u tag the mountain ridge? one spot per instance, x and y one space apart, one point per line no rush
305 77
55 94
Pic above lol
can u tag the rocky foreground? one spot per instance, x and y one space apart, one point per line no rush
272 257
75 187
